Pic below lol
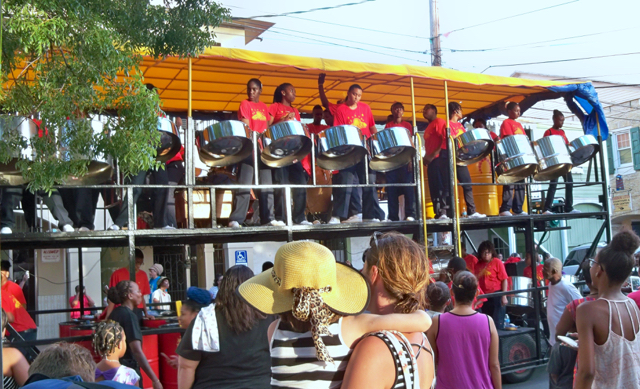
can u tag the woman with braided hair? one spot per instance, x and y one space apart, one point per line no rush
110 342
319 302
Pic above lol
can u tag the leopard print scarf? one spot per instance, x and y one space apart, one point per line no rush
309 306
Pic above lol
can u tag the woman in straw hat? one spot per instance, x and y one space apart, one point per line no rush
318 300
398 272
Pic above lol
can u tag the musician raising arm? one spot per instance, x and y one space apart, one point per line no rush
512 127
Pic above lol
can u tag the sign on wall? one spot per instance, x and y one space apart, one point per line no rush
241 258
622 203
51 255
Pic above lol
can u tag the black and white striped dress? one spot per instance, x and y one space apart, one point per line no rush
294 363
9 383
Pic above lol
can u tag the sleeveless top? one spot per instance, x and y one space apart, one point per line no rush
294 363
9 383
463 352
403 357
617 361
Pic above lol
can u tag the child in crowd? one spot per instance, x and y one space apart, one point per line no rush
109 342
439 298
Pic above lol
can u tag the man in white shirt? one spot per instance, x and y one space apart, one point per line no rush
561 293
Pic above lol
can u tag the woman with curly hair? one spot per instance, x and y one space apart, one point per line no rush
110 343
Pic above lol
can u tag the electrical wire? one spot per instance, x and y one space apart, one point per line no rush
312 10
60 283
559 60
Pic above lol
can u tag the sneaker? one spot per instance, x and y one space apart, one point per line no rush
444 217
354 219
547 213
234 224
316 222
83 229
410 219
114 227
477 215
168 228
6 230
334 220
68 228
305 223
575 211
505 213
387 221
523 213
276 223
374 220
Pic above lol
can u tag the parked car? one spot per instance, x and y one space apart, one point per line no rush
576 256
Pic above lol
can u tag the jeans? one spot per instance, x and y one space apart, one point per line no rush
159 198
294 175
493 307
515 202
551 193
242 197
401 175
342 196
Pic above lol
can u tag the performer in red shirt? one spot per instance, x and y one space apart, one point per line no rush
296 174
492 277
353 112
317 127
558 121
142 280
512 195
469 259
14 304
254 114
401 175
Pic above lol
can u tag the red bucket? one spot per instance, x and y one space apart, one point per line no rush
88 344
150 350
168 345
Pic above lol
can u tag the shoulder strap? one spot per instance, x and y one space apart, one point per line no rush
405 358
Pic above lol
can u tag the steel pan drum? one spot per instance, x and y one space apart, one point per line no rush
553 157
340 147
169 140
583 149
392 148
523 298
284 143
99 170
472 146
516 159
10 127
224 143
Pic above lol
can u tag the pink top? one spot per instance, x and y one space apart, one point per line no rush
463 344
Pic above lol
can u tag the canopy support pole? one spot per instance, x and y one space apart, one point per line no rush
189 140
453 175
605 183
421 196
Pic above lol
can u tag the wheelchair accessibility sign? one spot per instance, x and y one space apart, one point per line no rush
241 257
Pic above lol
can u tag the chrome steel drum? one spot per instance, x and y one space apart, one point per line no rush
553 157
99 170
472 146
340 147
524 299
284 143
392 148
169 140
516 159
583 149
224 143
12 127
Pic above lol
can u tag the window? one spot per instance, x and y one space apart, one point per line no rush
623 144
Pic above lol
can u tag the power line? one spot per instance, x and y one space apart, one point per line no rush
311 10
560 60
509 17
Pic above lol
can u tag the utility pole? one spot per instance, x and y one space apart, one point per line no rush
436 53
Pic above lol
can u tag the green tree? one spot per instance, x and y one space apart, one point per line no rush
64 59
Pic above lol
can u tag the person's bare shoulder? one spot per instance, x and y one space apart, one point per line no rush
11 355
370 366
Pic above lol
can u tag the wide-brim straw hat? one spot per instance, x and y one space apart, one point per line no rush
311 265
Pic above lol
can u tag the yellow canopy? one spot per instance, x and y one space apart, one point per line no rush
220 76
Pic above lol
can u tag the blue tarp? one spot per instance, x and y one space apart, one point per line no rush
586 96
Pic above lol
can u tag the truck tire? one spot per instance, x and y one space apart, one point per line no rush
518 348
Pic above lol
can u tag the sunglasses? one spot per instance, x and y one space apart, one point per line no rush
374 239
593 262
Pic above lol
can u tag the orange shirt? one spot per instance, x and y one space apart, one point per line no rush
142 280
257 113
316 129
539 274
553 131
13 302
435 136
403 123
456 128
279 110
490 275
360 117
511 127
471 261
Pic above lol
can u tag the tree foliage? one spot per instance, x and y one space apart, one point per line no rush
66 59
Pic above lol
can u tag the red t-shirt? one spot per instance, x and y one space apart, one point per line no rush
512 260
75 315
142 280
553 131
476 303
511 127
257 113
490 275
360 117
316 129
179 157
471 261
279 110
435 136
403 123
456 128
13 302
494 136
539 274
